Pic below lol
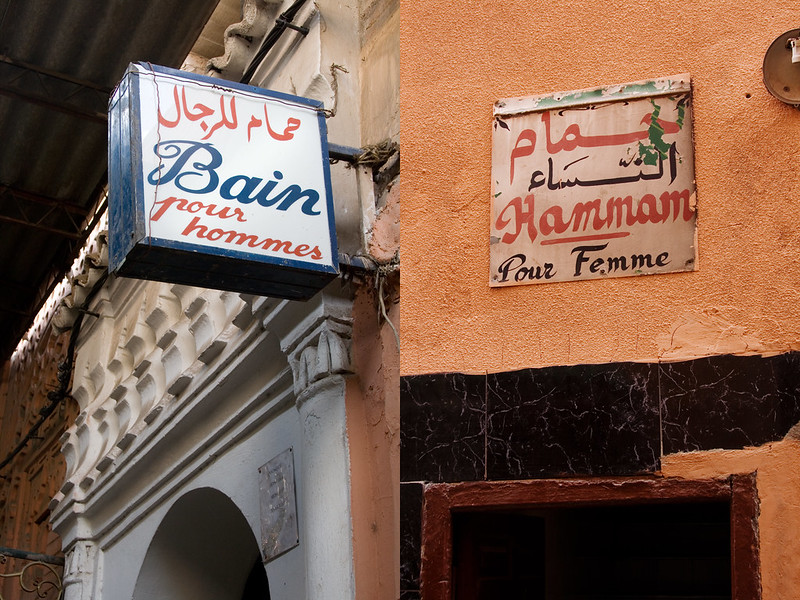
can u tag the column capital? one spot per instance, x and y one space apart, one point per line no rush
315 336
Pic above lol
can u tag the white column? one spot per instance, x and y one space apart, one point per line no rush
80 568
318 348
328 543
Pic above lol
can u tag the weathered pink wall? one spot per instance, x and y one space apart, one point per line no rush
457 58
373 425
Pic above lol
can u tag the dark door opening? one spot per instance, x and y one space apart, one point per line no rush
625 538
257 586
642 552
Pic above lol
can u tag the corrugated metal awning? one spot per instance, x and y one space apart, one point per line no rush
59 60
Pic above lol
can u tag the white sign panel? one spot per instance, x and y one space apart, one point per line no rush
593 184
221 170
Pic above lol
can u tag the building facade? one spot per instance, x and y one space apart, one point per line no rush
610 436
226 445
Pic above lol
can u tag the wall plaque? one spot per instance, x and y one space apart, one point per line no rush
593 184
279 532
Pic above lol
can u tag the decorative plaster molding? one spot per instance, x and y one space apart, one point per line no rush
145 348
153 342
242 38
79 570
324 352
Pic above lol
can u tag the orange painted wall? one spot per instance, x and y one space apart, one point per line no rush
457 58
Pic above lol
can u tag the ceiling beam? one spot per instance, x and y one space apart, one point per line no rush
47 200
53 104
21 64
65 213
32 225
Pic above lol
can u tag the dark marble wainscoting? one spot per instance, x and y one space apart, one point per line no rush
410 539
729 401
446 436
597 420
563 421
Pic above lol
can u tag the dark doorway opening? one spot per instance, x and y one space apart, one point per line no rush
625 538
257 586
646 552
203 549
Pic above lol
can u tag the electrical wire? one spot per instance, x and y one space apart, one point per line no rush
283 22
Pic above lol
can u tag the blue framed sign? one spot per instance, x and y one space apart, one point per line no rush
219 184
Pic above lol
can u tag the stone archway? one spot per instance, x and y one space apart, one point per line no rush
204 549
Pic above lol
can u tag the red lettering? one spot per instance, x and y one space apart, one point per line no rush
529 136
193 226
592 216
521 218
163 206
616 207
675 198
181 204
223 213
292 124
552 220
235 237
573 138
651 215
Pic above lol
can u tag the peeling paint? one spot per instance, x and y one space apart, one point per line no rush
709 332
665 85
612 90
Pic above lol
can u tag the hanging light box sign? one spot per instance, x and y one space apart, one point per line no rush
593 184
219 185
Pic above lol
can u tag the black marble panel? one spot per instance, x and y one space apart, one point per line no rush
410 536
409 594
577 420
443 426
729 402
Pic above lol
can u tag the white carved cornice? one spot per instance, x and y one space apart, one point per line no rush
324 352
147 344
241 39
153 343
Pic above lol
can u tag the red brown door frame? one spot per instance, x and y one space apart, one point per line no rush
441 500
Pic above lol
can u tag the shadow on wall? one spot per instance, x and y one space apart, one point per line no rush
203 549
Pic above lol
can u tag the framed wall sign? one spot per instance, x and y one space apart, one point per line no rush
593 184
218 184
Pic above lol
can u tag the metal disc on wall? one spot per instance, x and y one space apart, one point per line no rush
781 74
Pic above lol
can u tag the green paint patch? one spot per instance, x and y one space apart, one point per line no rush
657 148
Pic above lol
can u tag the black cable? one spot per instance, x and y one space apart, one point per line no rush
283 22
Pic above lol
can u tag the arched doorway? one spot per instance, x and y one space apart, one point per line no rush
203 549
